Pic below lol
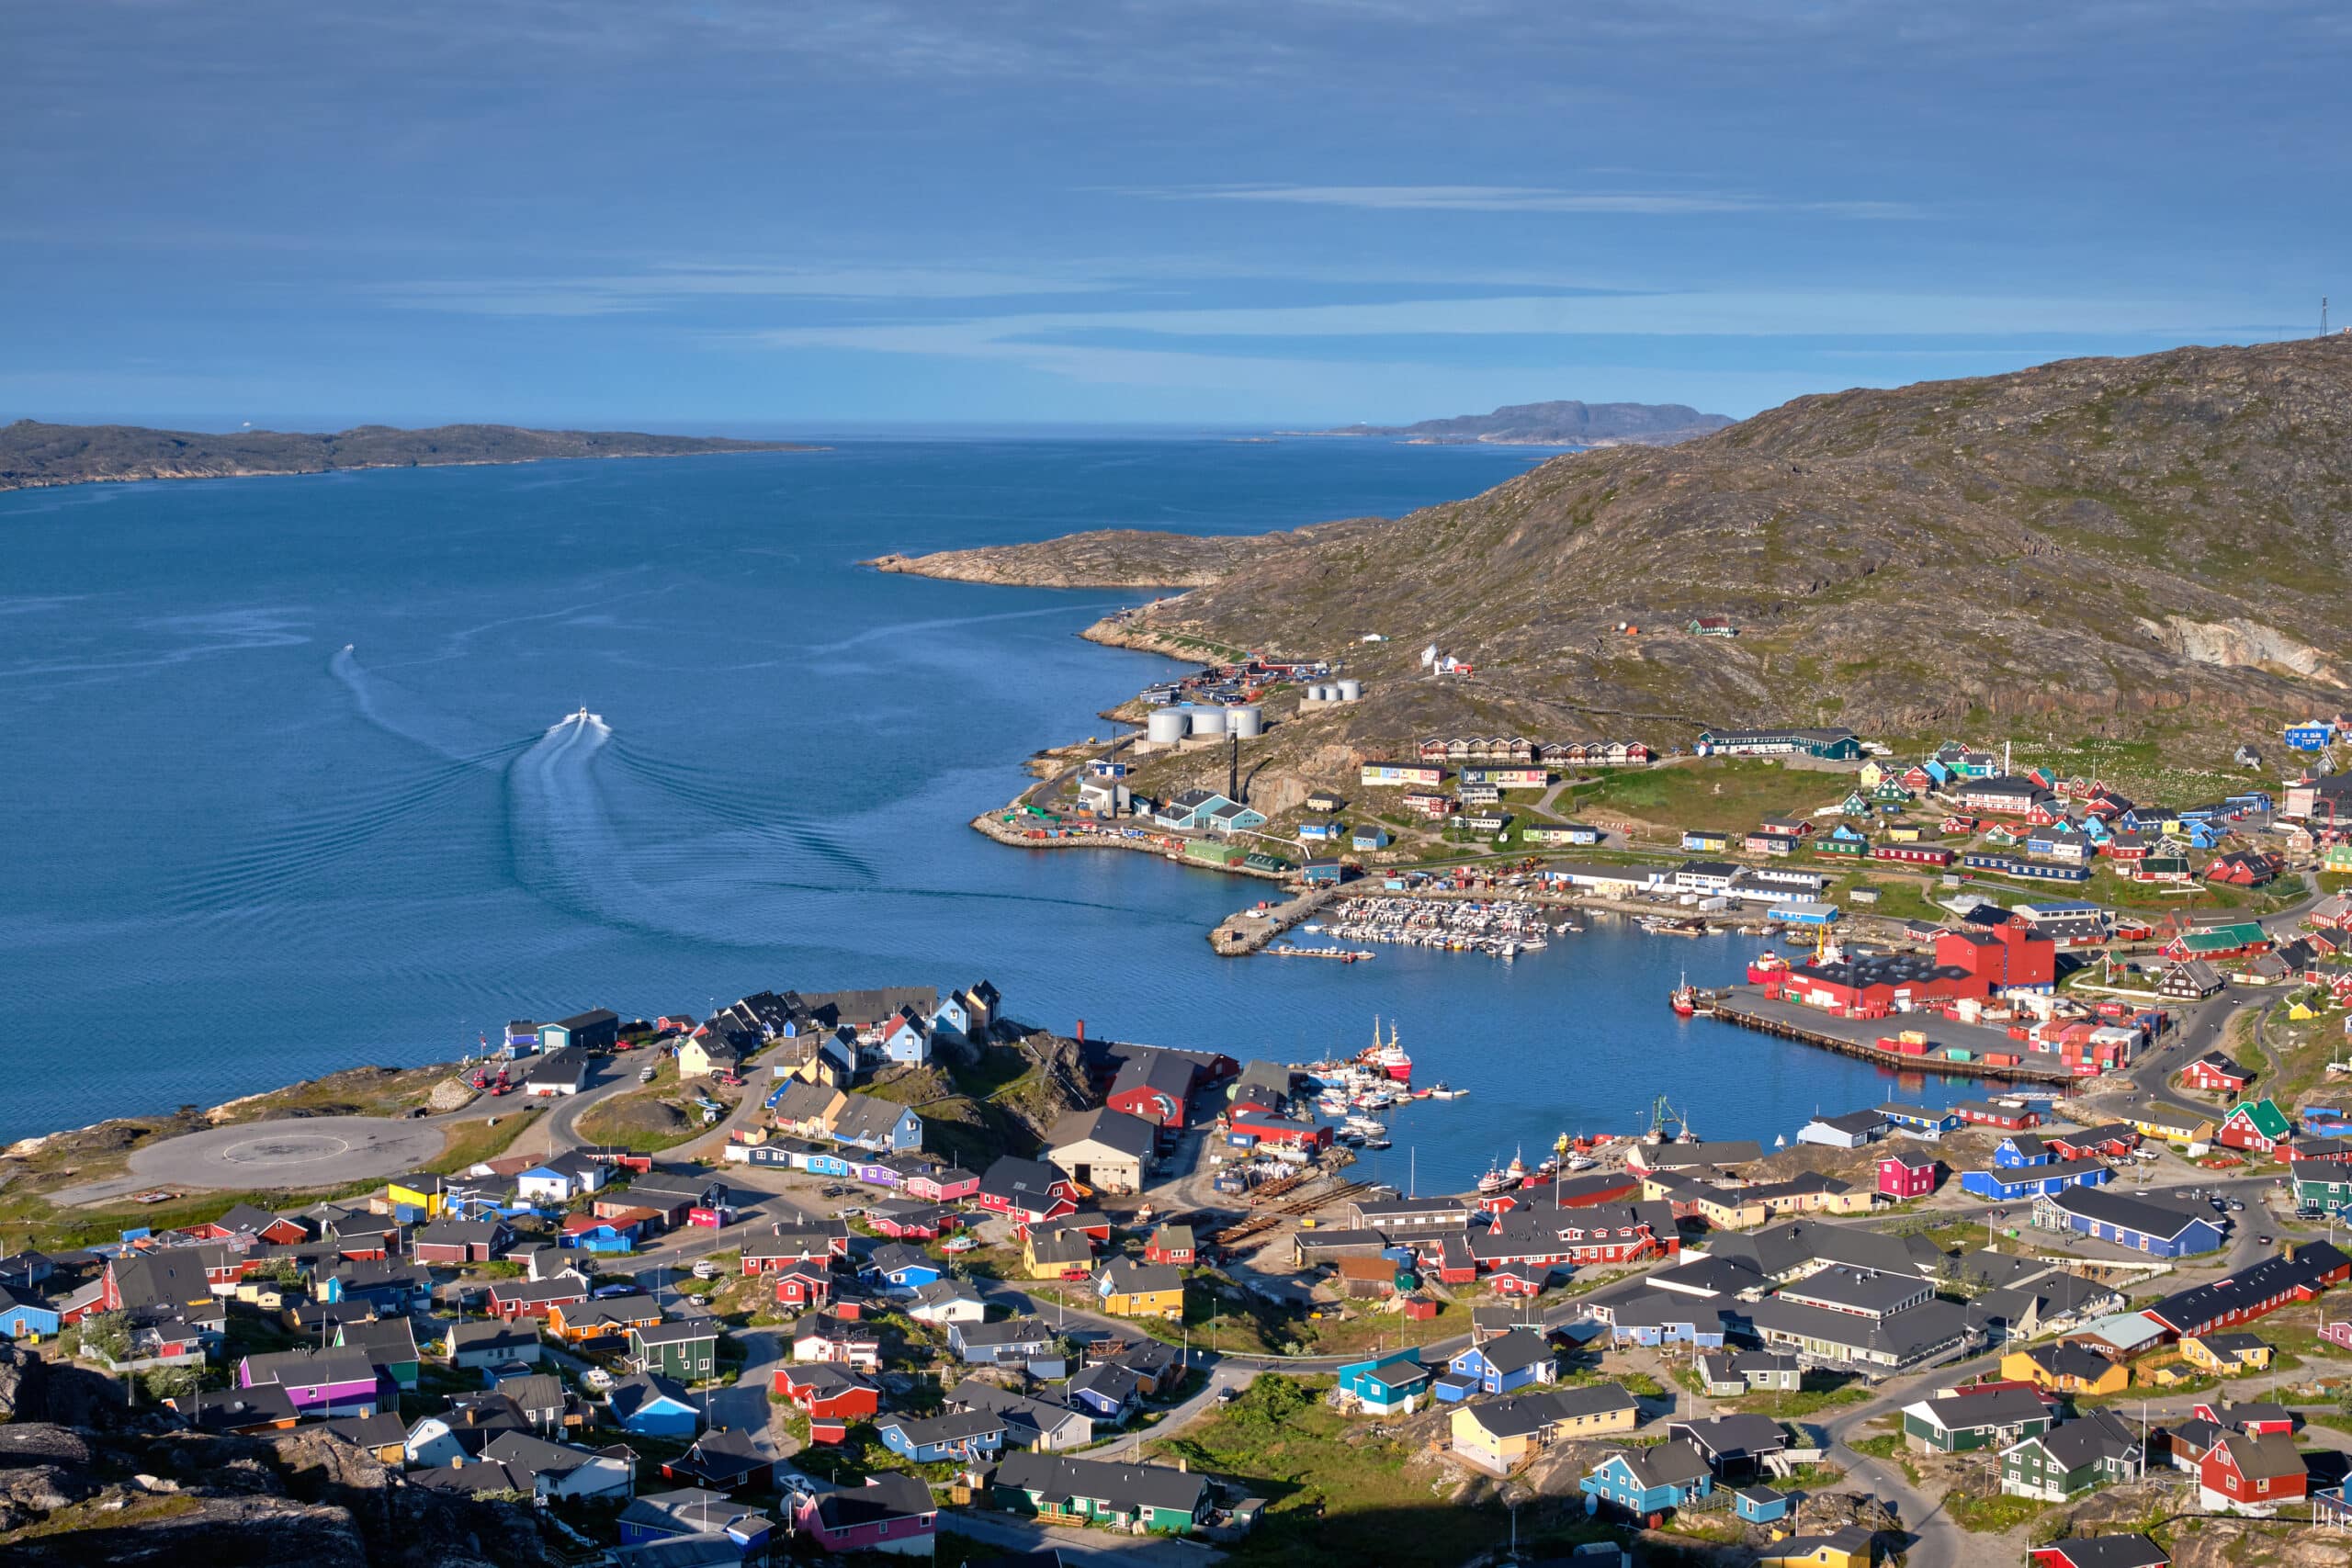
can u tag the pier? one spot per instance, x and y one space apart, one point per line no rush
1752 1013
1252 929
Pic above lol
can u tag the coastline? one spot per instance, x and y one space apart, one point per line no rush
10 483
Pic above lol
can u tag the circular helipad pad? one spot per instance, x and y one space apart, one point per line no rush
317 1151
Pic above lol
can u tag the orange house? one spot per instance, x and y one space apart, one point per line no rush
572 1322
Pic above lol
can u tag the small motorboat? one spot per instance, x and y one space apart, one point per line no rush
1443 1090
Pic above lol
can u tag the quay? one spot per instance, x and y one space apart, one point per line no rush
1857 1037
1252 929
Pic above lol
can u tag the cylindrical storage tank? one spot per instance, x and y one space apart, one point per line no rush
1351 690
1319 693
1207 721
1247 722
1166 726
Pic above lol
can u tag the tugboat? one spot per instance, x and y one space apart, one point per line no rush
1683 998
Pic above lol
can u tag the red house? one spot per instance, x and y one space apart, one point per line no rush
1520 1279
1172 1244
2243 868
947 1185
2100 1552
803 1285
2217 1073
2255 1420
2251 1471
829 1391
2111 1142
1904 1174
1912 855
1991 1113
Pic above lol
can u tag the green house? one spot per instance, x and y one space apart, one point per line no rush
390 1343
1891 790
1855 848
1975 1421
1155 1498
2322 1183
687 1350
2070 1459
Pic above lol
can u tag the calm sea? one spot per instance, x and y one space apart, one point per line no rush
292 784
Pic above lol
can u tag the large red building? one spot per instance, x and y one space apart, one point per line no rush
2002 957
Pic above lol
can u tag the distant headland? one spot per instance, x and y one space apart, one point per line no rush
34 454
1562 423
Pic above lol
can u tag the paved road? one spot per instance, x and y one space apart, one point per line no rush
1076 1545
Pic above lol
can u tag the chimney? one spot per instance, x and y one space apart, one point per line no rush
1081 1031
1183 1464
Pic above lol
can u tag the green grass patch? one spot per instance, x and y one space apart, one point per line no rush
1995 1514
472 1142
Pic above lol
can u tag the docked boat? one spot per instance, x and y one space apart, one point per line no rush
1580 1162
1443 1090
1683 998
1497 1179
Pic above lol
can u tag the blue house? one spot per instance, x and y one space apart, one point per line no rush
2021 1149
1760 1505
1106 1391
24 1318
1386 1385
904 1267
1320 832
693 1511
1370 836
963 1434
2022 1182
1919 1120
2153 1228
654 1406
1648 1483
1510 1360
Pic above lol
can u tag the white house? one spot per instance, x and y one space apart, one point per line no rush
947 1301
564 1470
559 1073
1851 1131
559 1183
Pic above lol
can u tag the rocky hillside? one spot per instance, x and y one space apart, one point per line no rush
2150 548
32 453
85 1481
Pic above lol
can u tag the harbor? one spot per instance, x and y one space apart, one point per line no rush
1499 927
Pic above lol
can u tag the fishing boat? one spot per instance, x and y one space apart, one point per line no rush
1388 1059
1580 1162
1497 1179
1684 999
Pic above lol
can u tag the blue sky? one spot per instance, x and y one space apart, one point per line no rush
1271 213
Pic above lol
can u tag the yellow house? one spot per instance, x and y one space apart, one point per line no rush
1873 775
1728 1209
1903 833
2227 1354
1852 1547
1129 1289
1048 1254
421 1191
2067 1369
2162 1374
1501 1434
2173 1124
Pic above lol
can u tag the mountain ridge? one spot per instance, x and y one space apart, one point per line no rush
2133 548
34 454
1561 422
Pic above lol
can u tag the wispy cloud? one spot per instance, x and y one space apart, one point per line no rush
1528 198
659 288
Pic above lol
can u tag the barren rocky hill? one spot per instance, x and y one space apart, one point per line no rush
2145 547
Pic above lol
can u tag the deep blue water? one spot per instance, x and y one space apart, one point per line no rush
292 787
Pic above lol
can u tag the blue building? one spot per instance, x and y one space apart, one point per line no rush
2020 1149
1387 1384
656 1406
1370 836
1651 1482
1516 1360
2022 1182
24 1318
693 1511
2152 1228
1760 1505
904 1267
962 1435
1320 832
1325 874
1921 1120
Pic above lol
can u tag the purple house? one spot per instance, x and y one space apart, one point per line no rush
889 1513
328 1383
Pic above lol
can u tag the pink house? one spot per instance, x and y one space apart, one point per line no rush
1906 1174
889 1513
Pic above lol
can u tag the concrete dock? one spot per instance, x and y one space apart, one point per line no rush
1858 1037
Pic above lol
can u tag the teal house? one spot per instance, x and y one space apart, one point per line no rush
1392 1384
1648 1482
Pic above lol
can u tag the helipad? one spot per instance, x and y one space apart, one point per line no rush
314 1150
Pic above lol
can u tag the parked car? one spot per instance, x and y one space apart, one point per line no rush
2264 1240
602 1290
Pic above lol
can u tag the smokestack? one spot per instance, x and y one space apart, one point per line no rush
1233 767
1081 1031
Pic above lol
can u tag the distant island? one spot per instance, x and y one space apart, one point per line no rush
1563 423
34 454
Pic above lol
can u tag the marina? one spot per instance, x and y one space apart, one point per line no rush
1499 927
